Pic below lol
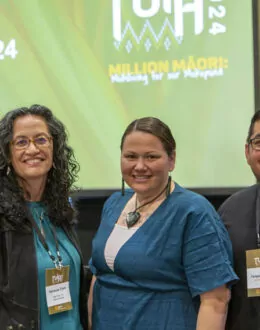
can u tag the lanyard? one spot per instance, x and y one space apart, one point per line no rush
56 261
258 218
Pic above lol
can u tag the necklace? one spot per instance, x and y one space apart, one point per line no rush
134 216
40 216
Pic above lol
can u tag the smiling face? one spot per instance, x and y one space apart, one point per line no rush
145 165
252 155
34 162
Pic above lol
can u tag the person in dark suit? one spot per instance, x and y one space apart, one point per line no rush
241 215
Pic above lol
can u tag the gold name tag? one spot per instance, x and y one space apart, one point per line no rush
57 290
253 272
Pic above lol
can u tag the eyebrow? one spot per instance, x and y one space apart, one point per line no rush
257 136
36 135
148 153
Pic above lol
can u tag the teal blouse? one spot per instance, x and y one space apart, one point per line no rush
69 320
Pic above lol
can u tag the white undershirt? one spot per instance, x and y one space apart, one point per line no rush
118 237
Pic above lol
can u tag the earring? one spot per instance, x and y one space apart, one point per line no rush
168 188
53 165
8 170
123 187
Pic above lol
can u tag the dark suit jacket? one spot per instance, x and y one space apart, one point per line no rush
239 215
19 301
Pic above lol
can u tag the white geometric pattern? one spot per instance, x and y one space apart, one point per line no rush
148 44
147 26
167 43
129 46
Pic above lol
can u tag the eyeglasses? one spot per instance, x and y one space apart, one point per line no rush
255 143
41 141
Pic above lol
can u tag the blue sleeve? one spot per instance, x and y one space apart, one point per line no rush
207 253
92 267
107 206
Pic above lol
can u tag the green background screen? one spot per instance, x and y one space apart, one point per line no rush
99 64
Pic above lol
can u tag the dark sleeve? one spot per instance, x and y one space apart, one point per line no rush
3 259
223 213
239 206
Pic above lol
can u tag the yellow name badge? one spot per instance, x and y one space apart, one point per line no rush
253 272
57 290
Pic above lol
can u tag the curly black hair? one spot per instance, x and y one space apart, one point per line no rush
61 177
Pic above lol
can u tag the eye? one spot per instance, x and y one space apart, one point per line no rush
152 157
20 143
41 140
130 156
256 142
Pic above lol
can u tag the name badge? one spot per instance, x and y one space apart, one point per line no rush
57 290
253 272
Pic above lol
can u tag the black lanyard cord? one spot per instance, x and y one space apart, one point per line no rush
57 262
258 217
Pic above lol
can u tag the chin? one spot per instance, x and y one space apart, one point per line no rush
139 186
34 176
257 175
142 190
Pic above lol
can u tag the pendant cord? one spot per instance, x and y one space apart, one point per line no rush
134 216
152 200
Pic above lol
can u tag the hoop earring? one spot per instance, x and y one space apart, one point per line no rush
54 166
168 189
123 188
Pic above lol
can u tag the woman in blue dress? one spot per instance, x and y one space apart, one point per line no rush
161 258
41 269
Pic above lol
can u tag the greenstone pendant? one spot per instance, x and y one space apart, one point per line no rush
132 218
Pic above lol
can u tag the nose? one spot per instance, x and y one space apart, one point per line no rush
32 148
140 163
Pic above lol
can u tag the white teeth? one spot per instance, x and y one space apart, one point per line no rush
33 161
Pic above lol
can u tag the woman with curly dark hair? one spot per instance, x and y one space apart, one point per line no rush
41 270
